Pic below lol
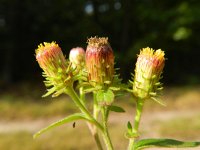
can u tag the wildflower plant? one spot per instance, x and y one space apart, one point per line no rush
94 72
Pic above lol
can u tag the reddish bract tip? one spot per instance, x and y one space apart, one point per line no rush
99 60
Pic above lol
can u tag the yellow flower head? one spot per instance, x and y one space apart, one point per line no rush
56 69
149 66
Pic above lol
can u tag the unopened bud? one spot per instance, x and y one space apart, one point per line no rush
52 61
149 66
77 58
99 61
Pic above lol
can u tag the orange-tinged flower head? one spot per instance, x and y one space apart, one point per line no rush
77 57
149 66
99 61
51 59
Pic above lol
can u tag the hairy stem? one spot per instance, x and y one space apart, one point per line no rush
77 101
139 107
92 128
95 115
82 95
106 135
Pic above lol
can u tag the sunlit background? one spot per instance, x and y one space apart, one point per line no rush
173 26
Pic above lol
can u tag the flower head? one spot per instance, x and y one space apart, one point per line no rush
55 67
99 61
77 57
149 66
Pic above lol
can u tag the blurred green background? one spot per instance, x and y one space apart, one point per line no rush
173 26
130 25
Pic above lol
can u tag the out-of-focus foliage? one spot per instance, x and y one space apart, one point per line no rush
130 25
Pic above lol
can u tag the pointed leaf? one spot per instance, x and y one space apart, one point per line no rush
130 134
129 126
114 88
171 143
50 91
158 101
71 118
116 109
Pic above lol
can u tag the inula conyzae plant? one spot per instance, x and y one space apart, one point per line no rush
94 72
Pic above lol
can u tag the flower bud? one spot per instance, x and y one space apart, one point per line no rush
148 70
77 58
52 61
99 61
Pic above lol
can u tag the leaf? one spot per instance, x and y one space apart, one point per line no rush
88 90
129 126
170 143
158 101
50 91
71 118
114 88
105 97
130 134
116 109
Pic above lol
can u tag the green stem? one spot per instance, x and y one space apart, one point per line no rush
106 135
77 101
81 93
92 128
94 132
95 107
95 115
139 107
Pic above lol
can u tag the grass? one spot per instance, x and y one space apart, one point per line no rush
23 106
181 128
23 109
61 138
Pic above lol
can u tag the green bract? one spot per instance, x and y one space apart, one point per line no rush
148 71
58 71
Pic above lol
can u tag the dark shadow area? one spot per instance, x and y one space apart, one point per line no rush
130 25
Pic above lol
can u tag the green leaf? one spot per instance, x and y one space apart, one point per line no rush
129 126
50 91
170 143
89 90
130 134
105 97
71 118
158 101
92 89
114 88
116 109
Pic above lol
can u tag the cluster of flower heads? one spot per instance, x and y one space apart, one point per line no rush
96 68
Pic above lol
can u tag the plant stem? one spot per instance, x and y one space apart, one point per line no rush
95 115
82 95
139 107
106 135
70 91
92 128
98 142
